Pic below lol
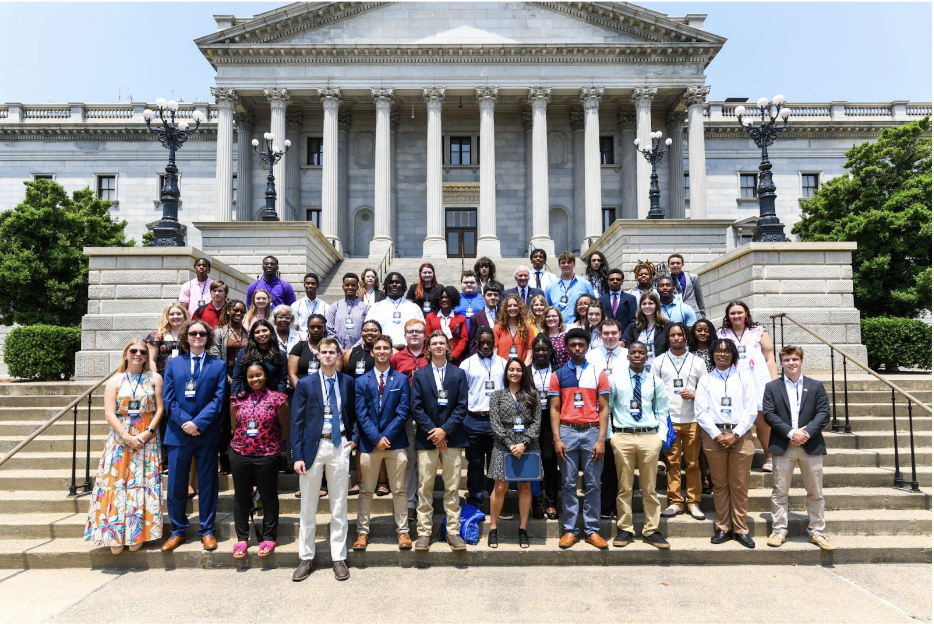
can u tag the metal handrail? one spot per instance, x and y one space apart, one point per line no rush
383 267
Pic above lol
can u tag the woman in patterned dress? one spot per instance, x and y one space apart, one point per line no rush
126 506
554 329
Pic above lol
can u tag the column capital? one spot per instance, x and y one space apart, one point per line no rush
590 97
695 96
224 96
343 121
293 120
577 120
434 96
539 96
626 120
486 96
383 96
245 122
527 120
277 97
675 120
643 96
330 97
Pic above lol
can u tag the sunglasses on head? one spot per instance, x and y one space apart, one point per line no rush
137 351
197 334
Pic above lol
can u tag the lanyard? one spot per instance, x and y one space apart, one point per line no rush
414 361
324 391
567 288
513 336
725 380
489 369
543 377
610 354
239 338
649 337
678 369
739 339
256 401
202 287
439 372
396 305
139 380
308 307
797 394
581 368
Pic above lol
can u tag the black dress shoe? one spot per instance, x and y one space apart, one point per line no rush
656 540
745 540
721 537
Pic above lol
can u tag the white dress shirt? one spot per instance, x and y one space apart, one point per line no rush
795 392
546 278
302 311
604 359
479 371
689 368
385 311
734 384
325 398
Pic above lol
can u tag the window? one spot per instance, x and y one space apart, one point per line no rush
609 216
606 150
687 186
810 182
313 215
234 188
107 187
460 150
43 176
747 186
315 156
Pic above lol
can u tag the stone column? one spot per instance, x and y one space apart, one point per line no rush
487 243
541 237
577 129
394 119
223 181
674 122
434 245
593 202
293 182
642 97
245 124
628 166
343 189
278 100
526 118
382 185
695 97
330 210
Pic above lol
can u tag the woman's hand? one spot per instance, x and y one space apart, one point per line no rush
517 450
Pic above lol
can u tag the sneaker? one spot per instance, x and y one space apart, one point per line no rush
776 539
456 542
671 511
655 539
696 512
767 466
623 538
423 543
505 515
821 540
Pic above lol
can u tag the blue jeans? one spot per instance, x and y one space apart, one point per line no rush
579 446
478 454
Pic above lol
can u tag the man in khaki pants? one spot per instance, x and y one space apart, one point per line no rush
797 410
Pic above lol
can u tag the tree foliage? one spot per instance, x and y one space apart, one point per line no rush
884 205
43 270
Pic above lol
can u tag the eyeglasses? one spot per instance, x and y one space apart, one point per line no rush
137 351
197 334
283 316
414 332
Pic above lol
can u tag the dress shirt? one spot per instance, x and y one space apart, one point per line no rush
679 312
636 292
654 401
795 392
302 311
479 371
324 399
337 322
384 313
407 362
606 360
572 290
734 383
680 281
200 290
689 368
279 291
546 278
469 306
293 339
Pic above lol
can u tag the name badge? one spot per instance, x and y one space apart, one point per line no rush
313 366
328 411
488 386
200 302
397 317
190 389
563 300
635 409
469 311
442 397
251 429
426 307
518 427
544 398
174 352
132 409
742 353
361 367
579 400
726 408
678 384
348 323
514 351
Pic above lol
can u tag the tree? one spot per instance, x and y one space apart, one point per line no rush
43 269
884 205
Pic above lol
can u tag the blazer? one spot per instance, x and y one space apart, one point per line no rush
429 415
530 293
376 421
277 377
813 415
478 320
204 409
458 332
692 295
625 309
307 418
631 335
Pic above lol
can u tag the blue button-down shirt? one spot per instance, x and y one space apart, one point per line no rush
556 291
337 322
654 401
679 312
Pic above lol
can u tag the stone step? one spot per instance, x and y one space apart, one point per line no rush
875 440
863 381
44 388
74 553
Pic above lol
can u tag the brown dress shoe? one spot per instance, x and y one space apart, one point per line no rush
173 542
405 542
209 542
567 540
594 539
341 573
360 542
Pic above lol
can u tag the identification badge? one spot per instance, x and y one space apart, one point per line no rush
514 351
678 384
488 386
544 398
563 300
348 323
518 427
174 352
579 400
426 307
397 317
742 353
635 409
200 302
469 311
361 367
313 366
726 408
251 429
442 397
132 409
328 410
190 389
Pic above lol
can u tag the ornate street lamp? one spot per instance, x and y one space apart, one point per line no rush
172 136
270 158
768 228
654 156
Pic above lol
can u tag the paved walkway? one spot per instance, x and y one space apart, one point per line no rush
852 593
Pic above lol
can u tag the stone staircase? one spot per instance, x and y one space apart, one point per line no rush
41 527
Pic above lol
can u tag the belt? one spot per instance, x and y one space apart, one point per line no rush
481 415
327 436
577 425
636 430
727 426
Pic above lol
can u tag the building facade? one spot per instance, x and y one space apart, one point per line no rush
437 129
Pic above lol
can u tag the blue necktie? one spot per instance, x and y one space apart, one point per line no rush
637 396
197 372
335 417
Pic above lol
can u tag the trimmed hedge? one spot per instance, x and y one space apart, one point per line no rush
42 352
897 341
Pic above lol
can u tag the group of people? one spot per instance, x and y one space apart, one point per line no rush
567 372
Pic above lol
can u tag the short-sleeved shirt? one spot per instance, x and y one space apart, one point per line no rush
195 292
407 362
280 291
585 379
165 346
558 292
303 309
261 411
209 314
679 312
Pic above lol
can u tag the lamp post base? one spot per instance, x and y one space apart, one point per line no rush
655 213
769 232
168 234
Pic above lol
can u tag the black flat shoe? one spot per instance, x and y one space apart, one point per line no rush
552 515
721 537
492 540
745 540
523 538
538 513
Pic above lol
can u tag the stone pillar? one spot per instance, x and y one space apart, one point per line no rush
593 200
675 125
293 181
223 180
382 185
642 97
278 100
394 119
628 165
434 245
487 243
330 210
577 129
245 124
526 118
343 189
541 237
694 97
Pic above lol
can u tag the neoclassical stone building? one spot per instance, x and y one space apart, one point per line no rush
442 128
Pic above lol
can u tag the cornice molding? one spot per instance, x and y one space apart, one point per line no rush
59 133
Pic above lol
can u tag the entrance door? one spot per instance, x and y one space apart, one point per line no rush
460 232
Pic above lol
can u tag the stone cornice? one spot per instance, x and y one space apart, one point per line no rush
37 132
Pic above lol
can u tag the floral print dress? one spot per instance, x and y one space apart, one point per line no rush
126 506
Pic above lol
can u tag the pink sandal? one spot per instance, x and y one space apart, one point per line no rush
266 548
239 550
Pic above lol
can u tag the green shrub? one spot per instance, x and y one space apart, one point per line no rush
42 351
897 341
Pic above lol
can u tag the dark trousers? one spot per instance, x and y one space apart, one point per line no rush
609 484
551 480
263 472
479 455
177 496
226 433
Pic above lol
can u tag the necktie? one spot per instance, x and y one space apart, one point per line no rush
637 396
615 303
382 385
335 417
522 294
196 370
538 279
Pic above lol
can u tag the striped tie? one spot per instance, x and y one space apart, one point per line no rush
637 396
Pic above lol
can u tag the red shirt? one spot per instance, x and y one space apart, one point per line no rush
458 328
407 363
209 315
586 380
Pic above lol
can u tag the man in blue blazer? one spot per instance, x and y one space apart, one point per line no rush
382 397
626 304
193 393
522 288
439 406
322 434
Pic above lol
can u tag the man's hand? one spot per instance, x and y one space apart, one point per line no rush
383 444
799 437
560 449
687 395
299 467
436 436
598 449
191 428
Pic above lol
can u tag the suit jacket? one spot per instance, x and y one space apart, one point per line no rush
530 293
277 377
307 421
429 415
813 415
692 295
204 409
459 335
478 320
631 335
625 309
376 421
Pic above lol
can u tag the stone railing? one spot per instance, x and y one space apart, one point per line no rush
828 111
109 112
95 113
867 111
4 113
918 111
46 113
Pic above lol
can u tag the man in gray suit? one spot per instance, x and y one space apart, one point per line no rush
687 285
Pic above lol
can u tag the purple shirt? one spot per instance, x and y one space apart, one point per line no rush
279 291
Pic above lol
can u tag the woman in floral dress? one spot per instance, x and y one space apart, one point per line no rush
126 506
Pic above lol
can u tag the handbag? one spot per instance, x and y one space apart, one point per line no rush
528 467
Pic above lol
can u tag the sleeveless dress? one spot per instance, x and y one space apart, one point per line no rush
750 356
126 506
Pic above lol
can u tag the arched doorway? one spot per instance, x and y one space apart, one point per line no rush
558 225
362 231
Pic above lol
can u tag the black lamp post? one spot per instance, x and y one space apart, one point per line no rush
654 156
768 229
270 158
172 136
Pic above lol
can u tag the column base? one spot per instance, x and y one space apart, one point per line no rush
434 247
546 243
379 247
489 247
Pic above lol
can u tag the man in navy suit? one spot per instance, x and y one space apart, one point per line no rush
485 318
382 401
193 392
525 292
616 303
322 432
439 405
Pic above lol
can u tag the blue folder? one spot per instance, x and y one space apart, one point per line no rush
526 468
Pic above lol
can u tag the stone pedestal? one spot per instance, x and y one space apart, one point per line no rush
628 241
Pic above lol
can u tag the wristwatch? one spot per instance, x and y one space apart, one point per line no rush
150 431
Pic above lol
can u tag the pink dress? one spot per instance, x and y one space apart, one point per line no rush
750 356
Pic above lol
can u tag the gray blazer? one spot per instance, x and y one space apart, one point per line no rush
692 295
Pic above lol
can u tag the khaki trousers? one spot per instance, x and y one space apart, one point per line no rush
729 471
637 451
396 462
812 473
687 444
428 461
